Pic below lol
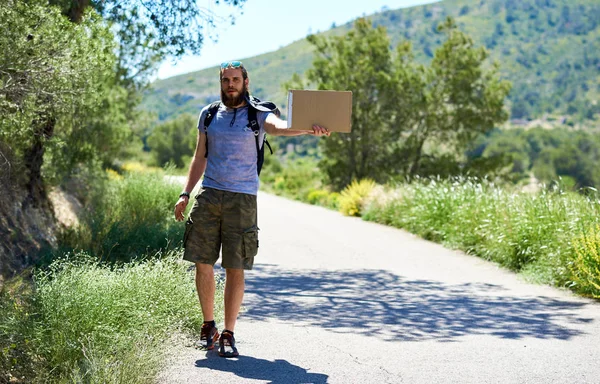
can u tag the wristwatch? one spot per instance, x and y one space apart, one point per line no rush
186 194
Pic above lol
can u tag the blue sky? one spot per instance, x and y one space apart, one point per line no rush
267 25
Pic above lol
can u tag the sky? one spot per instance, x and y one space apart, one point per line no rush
266 25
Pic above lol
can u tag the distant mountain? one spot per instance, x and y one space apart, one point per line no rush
549 49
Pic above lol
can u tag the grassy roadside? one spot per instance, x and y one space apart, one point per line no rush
551 237
106 309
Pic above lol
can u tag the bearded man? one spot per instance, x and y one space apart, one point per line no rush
224 215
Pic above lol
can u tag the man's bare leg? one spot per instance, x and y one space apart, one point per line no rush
205 284
234 294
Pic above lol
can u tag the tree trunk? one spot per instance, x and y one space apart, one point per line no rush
37 196
77 9
414 168
352 156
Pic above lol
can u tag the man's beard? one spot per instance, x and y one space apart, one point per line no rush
233 101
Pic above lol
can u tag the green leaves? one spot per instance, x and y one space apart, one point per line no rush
403 111
174 141
548 154
358 61
56 78
151 30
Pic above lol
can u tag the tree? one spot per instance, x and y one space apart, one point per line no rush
360 62
57 91
547 153
174 141
515 147
400 107
447 104
69 87
149 31
68 91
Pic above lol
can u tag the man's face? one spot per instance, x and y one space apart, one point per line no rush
233 87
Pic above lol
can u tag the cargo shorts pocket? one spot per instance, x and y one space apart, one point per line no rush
250 242
188 229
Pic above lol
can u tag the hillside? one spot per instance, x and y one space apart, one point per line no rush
549 49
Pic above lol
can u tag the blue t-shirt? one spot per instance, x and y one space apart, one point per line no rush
232 158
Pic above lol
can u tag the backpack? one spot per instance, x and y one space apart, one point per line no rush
254 105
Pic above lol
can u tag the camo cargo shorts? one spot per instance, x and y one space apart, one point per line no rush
222 220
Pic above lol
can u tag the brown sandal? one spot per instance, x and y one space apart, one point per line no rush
208 336
227 345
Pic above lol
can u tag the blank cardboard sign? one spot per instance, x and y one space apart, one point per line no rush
329 109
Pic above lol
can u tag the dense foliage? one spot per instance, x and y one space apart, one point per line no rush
174 141
68 91
558 155
59 97
549 49
403 111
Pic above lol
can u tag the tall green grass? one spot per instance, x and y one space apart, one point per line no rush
127 217
529 233
90 322
18 360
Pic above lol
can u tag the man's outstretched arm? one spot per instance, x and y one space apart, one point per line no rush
276 127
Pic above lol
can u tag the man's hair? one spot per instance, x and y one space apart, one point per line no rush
244 71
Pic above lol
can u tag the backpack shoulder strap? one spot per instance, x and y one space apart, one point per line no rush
253 120
260 151
213 108
253 124
255 105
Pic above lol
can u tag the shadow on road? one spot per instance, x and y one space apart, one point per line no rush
384 305
276 372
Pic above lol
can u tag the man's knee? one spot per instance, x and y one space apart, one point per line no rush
234 273
204 270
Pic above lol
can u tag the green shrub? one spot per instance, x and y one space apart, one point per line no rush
323 198
128 217
530 233
351 200
317 196
98 323
585 265
296 179
173 141
333 201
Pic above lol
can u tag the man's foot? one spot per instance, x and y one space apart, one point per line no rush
227 345
208 336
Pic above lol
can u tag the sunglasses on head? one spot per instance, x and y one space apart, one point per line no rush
231 64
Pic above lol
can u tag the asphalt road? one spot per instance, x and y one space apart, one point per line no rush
334 299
